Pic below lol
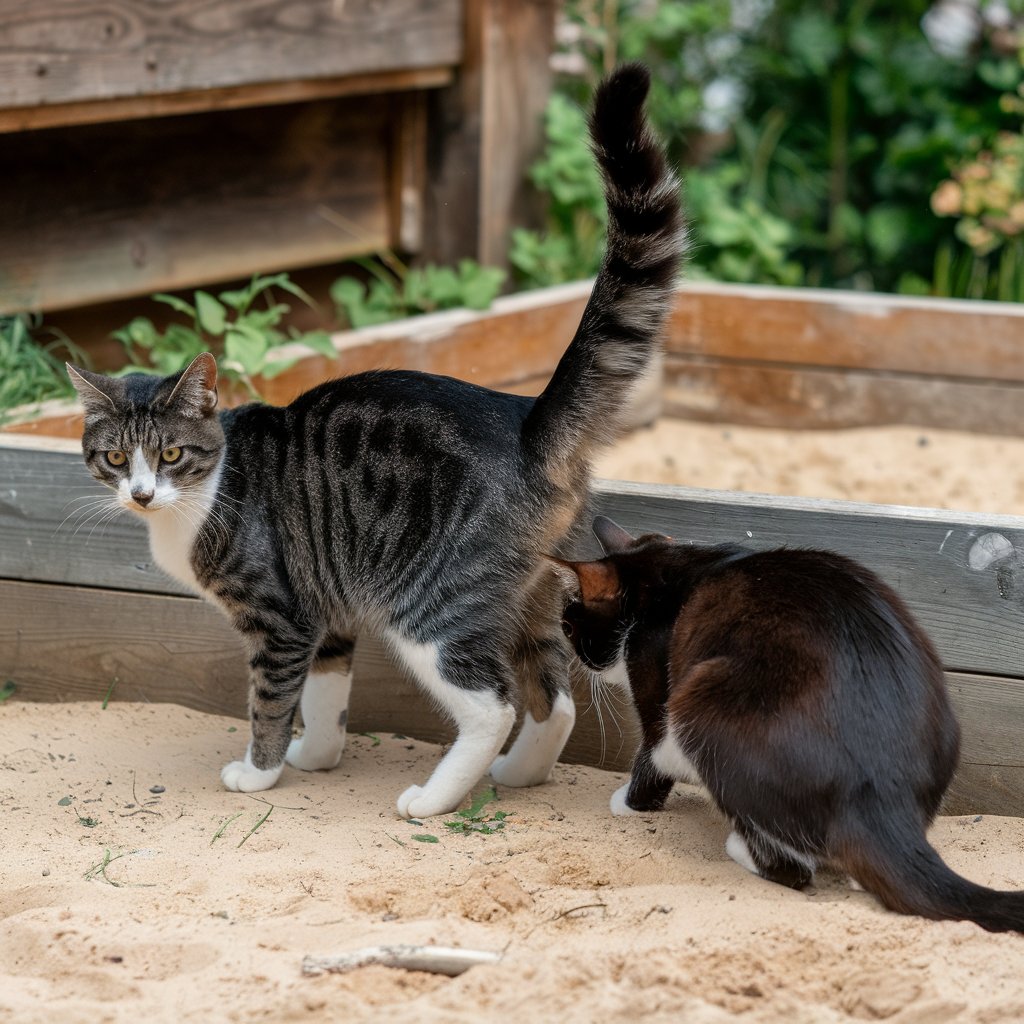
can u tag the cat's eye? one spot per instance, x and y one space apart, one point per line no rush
117 458
567 628
170 455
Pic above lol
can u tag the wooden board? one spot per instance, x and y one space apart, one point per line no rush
975 615
812 397
192 101
487 129
856 330
198 199
64 51
71 643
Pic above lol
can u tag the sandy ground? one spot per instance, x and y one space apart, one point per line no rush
890 465
599 918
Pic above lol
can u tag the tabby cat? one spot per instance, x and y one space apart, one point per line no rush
797 688
414 505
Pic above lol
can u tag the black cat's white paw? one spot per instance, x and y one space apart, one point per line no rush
736 848
618 802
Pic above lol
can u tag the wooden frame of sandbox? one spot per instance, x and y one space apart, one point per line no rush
87 615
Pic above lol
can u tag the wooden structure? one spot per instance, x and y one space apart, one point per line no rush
152 145
82 609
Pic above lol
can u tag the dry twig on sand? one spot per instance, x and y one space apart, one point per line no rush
433 959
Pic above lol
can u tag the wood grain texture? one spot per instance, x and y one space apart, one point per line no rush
194 101
975 615
856 330
486 129
62 51
181 201
62 643
811 397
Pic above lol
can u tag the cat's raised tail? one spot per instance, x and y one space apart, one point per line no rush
616 349
896 863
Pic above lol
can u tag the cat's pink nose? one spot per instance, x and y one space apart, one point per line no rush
142 498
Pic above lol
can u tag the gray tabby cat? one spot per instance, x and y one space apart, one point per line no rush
413 505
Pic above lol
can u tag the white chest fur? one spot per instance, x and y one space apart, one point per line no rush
173 529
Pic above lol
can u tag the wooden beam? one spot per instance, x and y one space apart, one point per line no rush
971 605
66 51
234 97
854 330
228 196
486 130
408 170
762 394
60 643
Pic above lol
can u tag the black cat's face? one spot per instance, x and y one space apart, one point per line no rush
155 441
596 631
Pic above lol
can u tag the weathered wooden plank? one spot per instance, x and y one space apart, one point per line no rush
857 330
812 397
235 97
225 197
971 604
408 170
486 129
973 608
62 51
70 643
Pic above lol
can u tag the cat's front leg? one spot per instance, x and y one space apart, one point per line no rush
647 788
324 706
277 669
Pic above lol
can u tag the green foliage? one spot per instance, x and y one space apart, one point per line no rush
242 327
394 291
474 819
839 121
29 370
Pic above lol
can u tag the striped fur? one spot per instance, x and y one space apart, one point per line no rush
412 505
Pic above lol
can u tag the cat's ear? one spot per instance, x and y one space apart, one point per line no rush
98 393
589 581
195 389
612 537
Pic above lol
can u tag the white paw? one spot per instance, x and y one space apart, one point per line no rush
618 802
736 847
417 802
312 757
245 777
507 772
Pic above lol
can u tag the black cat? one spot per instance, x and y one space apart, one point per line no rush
797 688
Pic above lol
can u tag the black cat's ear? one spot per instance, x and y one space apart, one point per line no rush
99 394
612 537
587 581
194 391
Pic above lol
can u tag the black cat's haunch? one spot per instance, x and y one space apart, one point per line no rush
798 689
413 505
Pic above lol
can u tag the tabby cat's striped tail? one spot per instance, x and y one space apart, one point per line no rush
617 348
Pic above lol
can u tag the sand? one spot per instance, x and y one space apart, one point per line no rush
889 465
599 918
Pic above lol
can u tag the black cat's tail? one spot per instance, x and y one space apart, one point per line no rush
896 863
616 349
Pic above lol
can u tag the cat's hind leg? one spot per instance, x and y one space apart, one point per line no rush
324 706
769 858
542 668
471 684
647 789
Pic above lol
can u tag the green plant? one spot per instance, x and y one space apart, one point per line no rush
30 372
241 331
396 291
474 819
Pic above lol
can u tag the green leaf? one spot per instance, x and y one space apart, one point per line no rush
7 690
210 313
318 341
66 801
245 346
180 305
424 837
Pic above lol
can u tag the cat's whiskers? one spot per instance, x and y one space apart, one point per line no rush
93 503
